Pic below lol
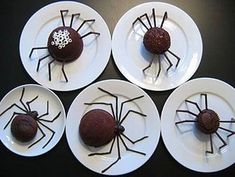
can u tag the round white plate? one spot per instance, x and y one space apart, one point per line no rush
86 68
136 127
184 142
131 57
39 105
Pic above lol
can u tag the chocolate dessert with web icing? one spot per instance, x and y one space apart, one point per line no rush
65 44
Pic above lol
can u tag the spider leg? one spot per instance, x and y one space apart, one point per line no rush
169 61
52 131
85 21
150 64
73 15
154 17
228 121
91 32
47 112
66 79
230 131
145 15
133 142
131 111
221 139
129 100
62 12
163 19
206 102
118 158
49 68
159 68
45 120
128 149
12 107
139 19
116 101
29 102
43 135
178 58
39 61
104 153
211 145
187 111
103 103
13 115
184 121
36 48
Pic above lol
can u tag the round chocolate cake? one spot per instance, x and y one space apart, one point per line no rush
24 128
97 128
65 44
208 121
157 40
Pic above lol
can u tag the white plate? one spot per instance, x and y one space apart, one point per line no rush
131 57
82 71
185 143
40 105
136 127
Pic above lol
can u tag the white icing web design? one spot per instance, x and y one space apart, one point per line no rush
61 38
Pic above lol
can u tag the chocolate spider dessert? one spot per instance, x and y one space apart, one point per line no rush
24 128
65 44
157 40
208 121
97 128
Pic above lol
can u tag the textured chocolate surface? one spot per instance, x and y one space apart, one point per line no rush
97 128
24 128
208 121
157 40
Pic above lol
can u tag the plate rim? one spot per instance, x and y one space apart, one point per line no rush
157 121
63 113
104 56
128 75
186 86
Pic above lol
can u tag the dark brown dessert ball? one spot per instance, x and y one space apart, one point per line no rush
208 121
24 128
157 40
65 44
97 128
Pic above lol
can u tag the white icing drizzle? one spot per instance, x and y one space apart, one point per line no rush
61 38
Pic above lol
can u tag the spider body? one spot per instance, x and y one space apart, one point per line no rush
157 41
118 130
24 124
207 121
64 44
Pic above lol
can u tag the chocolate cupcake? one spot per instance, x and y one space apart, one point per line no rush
65 44
97 128
24 128
157 40
208 121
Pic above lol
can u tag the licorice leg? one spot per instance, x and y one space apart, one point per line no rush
85 21
211 145
39 61
49 68
169 61
66 79
36 48
43 135
128 149
29 102
154 17
131 111
139 19
62 15
221 139
71 21
133 142
130 100
178 58
145 15
13 115
87 34
163 19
